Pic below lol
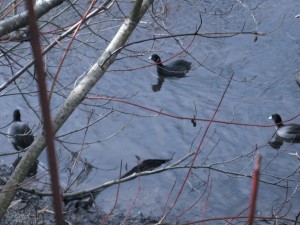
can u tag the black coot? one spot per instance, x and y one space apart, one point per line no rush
287 131
177 68
19 134
145 165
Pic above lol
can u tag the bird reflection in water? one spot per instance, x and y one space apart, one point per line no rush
278 142
160 81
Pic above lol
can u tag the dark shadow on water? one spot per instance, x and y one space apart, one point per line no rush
278 142
161 79
298 78
33 169
156 87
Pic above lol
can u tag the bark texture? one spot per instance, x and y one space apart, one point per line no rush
75 97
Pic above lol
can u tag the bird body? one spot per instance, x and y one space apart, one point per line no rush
288 131
178 68
19 134
146 165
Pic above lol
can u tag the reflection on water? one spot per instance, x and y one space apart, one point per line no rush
298 78
158 137
160 81
278 142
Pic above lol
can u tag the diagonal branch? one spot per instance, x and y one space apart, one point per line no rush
21 20
76 96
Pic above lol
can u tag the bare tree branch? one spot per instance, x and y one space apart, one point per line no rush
21 20
74 99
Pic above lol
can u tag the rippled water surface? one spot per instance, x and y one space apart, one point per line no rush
263 83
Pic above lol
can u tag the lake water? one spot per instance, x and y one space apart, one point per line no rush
263 84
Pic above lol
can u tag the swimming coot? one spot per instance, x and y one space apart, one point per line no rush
288 131
177 68
19 134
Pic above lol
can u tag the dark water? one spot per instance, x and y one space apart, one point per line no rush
263 84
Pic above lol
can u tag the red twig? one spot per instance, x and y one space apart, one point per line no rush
168 198
240 213
254 189
11 9
196 202
105 219
154 64
69 45
236 217
160 112
134 200
49 135
285 199
207 198
198 150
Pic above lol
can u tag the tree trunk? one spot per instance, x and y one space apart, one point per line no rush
21 20
75 97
